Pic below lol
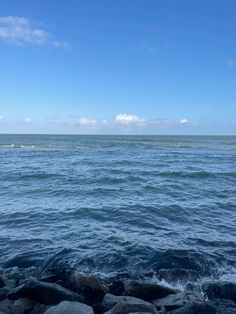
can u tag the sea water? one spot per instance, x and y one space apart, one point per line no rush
136 204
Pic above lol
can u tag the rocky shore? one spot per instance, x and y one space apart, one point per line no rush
62 291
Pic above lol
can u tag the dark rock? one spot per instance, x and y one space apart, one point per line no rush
3 293
67 307
90 288
2 282
9 285
39 309
174 301
123 308
5 307
224 306
22 306
147 291
57 274
109 301
117 287
221 291
43 292
203 308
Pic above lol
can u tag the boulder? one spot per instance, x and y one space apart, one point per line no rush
56 274
8 286
22 306
90 288
67 307
44 293
174 301
146 291
202 308
2 282
223 306
126 307
109 301
117 287
220 291
5 307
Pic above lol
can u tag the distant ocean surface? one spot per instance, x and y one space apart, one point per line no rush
106 204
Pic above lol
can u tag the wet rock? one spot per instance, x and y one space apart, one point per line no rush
175 274
203 308
174 301
221 291
224 306
117 287
5 307
22 306
44 293
56 274
126 307
109 301
9 285
2 282
146 291
90 288
67 307
3 293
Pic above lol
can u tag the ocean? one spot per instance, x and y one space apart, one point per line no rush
140 205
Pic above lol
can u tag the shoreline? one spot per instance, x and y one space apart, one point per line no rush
63 290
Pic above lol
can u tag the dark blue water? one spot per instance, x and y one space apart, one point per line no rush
119 203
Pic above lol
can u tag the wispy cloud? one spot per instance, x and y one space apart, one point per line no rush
85 121
150 48
231 62
124 118
184 121
22 31
28 120
2 119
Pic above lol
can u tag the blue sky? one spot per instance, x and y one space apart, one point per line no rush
118 67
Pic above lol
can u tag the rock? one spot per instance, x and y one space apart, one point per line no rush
126 307
174 301
146 291
67 307
90 288
39 309
221 290
109 301
3 293
22 306
117 287
5 307
56 274
44 293
2 282
203 308
224 306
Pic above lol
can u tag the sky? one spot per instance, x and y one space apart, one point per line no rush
118 66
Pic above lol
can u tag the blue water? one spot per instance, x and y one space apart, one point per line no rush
119 203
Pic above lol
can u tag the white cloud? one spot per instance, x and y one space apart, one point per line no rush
22 31
149 47
28 120
2 119
61 44
231 63
183 121
124 118
85 121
